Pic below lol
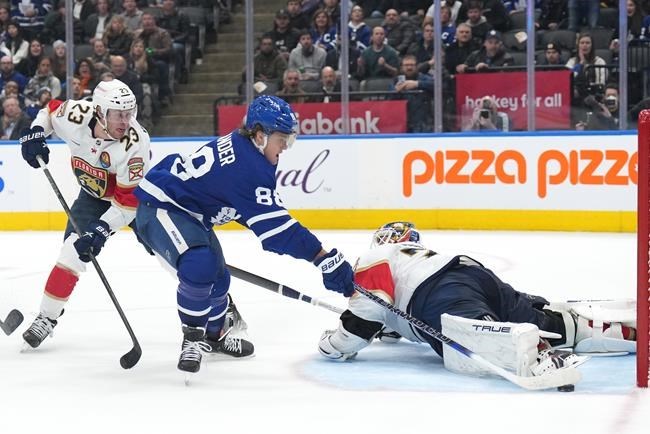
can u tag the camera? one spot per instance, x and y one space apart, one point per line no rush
611 101
593 102
485 110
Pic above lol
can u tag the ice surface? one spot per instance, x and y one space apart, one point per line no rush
74 382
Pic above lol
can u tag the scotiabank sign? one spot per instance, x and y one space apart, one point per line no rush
319 118
508 90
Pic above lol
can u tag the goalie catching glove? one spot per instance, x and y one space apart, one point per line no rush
337 272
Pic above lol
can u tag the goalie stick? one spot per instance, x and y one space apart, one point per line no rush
280 289
559 378
128 360
14 319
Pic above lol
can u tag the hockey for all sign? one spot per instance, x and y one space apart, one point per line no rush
368 117
552 97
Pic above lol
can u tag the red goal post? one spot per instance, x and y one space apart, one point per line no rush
643 249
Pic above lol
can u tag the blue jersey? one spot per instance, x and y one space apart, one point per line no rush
224 180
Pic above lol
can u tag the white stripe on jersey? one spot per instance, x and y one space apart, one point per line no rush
266 216
193 312
272 232
160 195
172 231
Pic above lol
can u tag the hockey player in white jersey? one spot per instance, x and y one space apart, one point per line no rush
109 156
471 305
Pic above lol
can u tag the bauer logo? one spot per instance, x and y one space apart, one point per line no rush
305 177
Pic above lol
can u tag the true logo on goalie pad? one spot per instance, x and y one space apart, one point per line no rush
491 328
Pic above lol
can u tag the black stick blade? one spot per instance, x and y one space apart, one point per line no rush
14 319
131 358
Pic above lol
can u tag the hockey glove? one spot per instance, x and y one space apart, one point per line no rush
92 241
33 145
337 272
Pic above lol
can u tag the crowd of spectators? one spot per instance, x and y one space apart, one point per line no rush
392 51
136 41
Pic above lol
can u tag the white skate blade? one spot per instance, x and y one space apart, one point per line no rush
188 377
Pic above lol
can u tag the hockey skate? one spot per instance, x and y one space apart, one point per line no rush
551 360
234 320
41 328
388 336
192 350
230 345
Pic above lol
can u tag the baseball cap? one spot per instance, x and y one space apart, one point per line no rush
493 34
282 13
552 46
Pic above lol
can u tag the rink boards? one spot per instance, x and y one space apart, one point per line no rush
515 181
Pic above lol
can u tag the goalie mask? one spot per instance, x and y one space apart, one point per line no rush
116 97
395 232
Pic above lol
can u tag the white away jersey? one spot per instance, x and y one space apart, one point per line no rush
105 169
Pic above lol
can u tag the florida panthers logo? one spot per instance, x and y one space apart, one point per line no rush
225 215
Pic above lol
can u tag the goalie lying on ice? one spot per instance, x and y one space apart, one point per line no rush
471 305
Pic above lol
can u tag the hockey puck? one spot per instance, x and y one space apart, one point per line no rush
566 388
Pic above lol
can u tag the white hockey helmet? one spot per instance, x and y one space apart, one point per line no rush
113 95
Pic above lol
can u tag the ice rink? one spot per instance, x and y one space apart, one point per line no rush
74 384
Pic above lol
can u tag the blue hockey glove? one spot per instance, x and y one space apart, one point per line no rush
337 272
92 241
33 145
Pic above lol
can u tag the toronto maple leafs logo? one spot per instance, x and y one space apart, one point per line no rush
225 215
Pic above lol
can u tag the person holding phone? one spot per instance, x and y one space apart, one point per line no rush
487 117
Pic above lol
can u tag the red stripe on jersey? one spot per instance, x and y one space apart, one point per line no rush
125 197
61 283
53 105
377 277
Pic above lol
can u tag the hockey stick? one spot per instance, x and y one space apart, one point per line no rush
128 360
280 289
559 378
14 319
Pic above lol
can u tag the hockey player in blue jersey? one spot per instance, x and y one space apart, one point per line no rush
229 179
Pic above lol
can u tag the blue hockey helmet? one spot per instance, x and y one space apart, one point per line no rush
395 232
272 114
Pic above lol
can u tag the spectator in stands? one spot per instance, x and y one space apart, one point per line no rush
82 9
59 66
42 78
333 58
422 49
379 60
588 69
158 44
583 13
297 19
117 37
29 65
552 55
400 32
457 9
54 26
459 50
87 74
269 65
492 55
100 57
475 19
5 19
291 91
13 120
323 33
333 9
76 89
486 117
10 89
358 30
132 16
635 28
177 25
307 58
284 36
553 13
14 45
406 8
30 15
130 78
44 97
330 87
147 73
496 14
604 113
419 108
448 30
97 23
8 73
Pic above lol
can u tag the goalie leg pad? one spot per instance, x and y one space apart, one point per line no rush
509 345
340 344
